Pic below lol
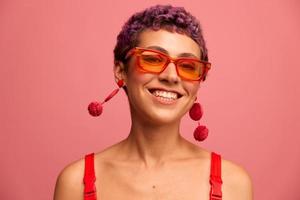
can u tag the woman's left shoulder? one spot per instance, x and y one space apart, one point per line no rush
237 182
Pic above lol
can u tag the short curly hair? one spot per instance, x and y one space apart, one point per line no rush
158 17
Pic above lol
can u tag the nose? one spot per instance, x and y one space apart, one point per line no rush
169 74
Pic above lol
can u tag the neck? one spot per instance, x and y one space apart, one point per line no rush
153 144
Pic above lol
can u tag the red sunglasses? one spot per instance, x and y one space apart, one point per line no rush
154 61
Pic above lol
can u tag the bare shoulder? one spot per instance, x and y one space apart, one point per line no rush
69 183
237 183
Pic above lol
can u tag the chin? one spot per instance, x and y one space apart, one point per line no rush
164 117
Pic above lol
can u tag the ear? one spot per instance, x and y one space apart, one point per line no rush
119 71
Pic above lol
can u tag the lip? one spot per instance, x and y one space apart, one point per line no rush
179 94
161 100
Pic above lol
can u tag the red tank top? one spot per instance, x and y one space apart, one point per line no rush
215 178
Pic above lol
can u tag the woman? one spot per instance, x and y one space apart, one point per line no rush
160 60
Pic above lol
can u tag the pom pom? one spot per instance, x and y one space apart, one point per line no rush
196 112
95 109
200 133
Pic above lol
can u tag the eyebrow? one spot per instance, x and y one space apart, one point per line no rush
166 52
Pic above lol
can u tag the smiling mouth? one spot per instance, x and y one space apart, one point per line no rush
164 94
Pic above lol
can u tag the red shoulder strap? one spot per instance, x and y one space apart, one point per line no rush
215 177
89 178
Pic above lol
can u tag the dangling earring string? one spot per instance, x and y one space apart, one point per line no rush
95 108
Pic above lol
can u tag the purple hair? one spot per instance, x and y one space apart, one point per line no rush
158 17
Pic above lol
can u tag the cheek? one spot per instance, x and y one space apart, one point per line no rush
135 84
192 87
137 78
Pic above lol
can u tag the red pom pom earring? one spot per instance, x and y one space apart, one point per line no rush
95 108
201 132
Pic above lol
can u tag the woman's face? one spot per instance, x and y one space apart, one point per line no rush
161 98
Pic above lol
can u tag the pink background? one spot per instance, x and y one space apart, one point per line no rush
56 56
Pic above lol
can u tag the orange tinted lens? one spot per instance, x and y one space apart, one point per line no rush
151 61
190 69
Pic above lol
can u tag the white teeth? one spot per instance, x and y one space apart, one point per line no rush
165 94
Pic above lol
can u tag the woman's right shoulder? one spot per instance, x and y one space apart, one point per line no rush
69 183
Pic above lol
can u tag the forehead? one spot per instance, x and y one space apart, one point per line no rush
174 43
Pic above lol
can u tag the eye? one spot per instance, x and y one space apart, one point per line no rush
188 66
153 59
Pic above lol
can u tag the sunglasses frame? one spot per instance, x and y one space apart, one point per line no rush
138 50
